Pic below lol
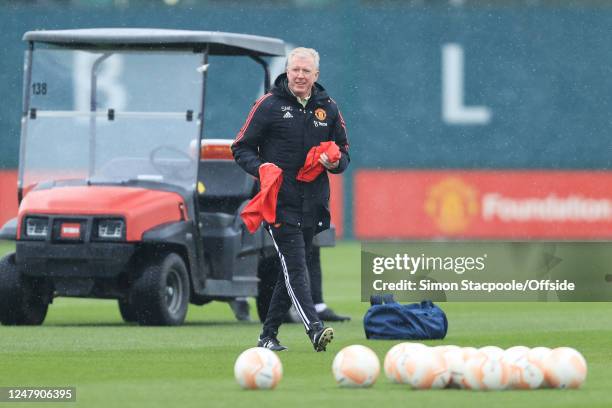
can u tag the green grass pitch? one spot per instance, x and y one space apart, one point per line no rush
84 343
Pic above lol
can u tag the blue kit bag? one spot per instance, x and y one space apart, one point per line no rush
388 320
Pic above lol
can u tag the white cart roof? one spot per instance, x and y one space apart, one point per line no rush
220 43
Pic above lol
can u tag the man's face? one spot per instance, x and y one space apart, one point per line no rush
301 74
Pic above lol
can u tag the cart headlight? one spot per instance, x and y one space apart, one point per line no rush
36 228
111 229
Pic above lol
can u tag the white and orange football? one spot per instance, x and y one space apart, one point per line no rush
423 368
524 373
565 367
454 358
356 366
258 369
485 371
390 363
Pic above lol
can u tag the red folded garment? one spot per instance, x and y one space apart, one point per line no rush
312 168
263 205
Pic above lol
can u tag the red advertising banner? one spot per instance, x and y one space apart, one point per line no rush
8 195
406 204
336 202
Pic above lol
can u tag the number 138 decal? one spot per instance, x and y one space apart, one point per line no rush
39 88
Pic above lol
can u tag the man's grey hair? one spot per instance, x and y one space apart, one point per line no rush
303 52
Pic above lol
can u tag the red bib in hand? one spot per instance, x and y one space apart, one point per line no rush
263 205
312 168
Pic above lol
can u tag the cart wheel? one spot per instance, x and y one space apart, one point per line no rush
160 294
267 272
22 300
127 311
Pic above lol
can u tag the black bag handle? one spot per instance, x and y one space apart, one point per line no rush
380 299
388 298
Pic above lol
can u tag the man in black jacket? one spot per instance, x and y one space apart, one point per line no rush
281 128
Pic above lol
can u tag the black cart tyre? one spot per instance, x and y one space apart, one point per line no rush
160 295
23 301
127 311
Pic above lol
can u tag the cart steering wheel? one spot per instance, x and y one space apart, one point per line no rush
172 167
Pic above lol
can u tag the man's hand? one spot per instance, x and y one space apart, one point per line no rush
324 160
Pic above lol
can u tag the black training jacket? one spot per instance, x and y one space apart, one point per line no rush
280 131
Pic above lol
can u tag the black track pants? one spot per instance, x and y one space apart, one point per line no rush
314 268
292 287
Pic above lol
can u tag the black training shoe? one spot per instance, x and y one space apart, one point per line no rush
321 337
270 343
328 315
